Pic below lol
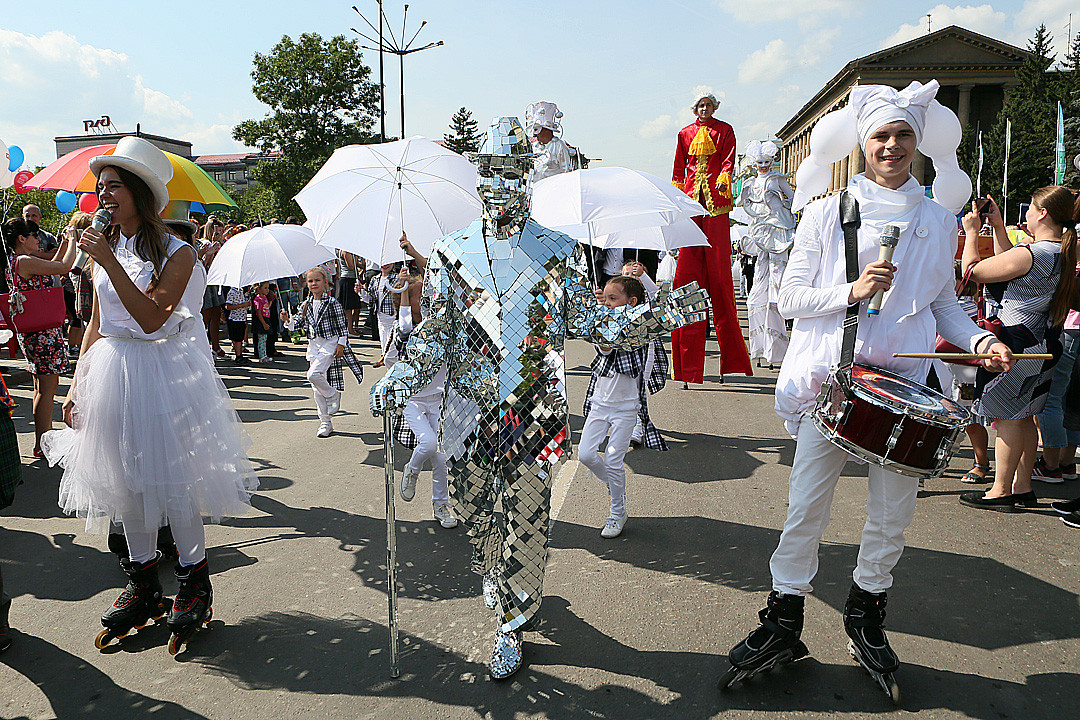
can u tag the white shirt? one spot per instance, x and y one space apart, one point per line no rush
318 345
115 320
920 304
619 390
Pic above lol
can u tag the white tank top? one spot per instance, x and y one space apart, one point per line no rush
116 321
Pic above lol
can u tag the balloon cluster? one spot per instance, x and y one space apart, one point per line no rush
11 157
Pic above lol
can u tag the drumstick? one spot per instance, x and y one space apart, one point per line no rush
972 356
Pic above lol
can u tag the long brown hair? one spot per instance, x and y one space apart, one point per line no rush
151 240
1061 207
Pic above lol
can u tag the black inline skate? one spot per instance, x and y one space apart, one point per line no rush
193 607
864 620
775 642
139 603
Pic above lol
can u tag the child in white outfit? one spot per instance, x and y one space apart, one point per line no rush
328 347
613 403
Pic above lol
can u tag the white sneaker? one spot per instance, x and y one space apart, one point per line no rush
408 485
334 404
613 527
444 516
324 430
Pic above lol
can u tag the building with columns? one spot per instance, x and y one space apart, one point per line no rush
976 74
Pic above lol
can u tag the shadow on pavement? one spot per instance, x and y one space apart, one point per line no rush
76 689
938 595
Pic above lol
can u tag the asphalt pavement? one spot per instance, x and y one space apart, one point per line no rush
984 613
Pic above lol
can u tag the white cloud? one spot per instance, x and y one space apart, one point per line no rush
53 82
657 127
759 12
767 65
1052 13
980 18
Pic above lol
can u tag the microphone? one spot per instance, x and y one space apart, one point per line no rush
889 237
102 220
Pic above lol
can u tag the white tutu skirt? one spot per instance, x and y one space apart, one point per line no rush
156 439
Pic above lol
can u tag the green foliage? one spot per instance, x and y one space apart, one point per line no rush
1069 79
1032 108
320 98
462 137
51 219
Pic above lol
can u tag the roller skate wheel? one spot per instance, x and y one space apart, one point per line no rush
209 616
175 644
892 688
728 678
103 639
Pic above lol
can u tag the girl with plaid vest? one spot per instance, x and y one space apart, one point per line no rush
328 347
616 398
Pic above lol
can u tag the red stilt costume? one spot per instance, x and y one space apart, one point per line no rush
704 162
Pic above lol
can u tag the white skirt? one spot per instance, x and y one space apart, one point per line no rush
156 439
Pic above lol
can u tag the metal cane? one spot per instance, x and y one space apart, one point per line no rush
391 542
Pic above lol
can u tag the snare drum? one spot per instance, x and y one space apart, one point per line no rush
891 421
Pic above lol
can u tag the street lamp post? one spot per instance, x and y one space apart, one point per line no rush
393 46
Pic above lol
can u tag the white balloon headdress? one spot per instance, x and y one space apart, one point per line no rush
937 131
760 153
542 115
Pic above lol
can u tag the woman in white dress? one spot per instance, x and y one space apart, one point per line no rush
153 438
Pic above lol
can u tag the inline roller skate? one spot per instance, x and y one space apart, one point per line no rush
775 642
193 607
864 620
139 603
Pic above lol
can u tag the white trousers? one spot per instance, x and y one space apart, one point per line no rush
386 338
423 417
814 473
616 424
322 390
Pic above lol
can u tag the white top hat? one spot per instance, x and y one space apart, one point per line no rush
145 160
542 115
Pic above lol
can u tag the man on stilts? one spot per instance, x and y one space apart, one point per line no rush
704 163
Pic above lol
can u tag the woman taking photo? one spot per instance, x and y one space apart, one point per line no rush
46 350
153 438
1036 286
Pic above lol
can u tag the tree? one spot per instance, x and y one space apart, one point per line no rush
12 204
1032 110
1069 78
320 98
462 137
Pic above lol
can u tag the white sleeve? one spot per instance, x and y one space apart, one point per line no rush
798 297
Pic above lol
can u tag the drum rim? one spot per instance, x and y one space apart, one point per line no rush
933 418
862 454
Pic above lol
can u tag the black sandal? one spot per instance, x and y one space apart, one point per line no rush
973 478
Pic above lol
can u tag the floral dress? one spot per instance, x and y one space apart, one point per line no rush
46 351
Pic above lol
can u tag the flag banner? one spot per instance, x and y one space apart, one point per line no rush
1059 154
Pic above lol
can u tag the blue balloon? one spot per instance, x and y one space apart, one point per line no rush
17 157
66 201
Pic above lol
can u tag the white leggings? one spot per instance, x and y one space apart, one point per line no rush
423 418
190 542
617 424
322 390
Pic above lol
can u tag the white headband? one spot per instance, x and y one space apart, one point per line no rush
937 128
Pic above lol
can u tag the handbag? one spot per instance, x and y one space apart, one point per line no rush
32 310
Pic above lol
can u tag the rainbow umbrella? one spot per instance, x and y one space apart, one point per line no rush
189 182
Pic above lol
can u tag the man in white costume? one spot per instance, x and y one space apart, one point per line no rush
889 125
767 200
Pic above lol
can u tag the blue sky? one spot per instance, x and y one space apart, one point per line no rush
624 72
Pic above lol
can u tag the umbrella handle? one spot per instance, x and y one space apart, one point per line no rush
391 542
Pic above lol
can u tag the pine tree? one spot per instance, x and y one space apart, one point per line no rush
1032 108
1069 78
462 137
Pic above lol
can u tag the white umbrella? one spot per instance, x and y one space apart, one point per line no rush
266 253
365 195
679 234
591 203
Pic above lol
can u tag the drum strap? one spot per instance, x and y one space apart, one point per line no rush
849 222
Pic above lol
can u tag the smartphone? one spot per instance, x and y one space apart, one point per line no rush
982 205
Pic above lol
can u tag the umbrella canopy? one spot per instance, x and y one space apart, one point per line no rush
679 234
366 195
590 203
266 253
189 182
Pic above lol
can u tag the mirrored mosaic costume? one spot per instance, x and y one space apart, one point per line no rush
500 298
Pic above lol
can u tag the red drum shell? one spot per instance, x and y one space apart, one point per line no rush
864 427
